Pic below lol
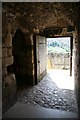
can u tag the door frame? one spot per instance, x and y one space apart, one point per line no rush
35 60
71 49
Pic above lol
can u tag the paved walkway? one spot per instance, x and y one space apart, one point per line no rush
55 91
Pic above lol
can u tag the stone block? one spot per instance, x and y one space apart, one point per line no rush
9 79
4 72
0 51
0 63
7 61
8 40
4 52
9 51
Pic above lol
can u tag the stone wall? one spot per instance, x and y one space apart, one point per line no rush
9 84
8 79
76 44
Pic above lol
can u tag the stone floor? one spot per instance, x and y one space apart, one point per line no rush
49 94
20 110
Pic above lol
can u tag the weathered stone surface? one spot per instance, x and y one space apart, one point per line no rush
7 61
9 79
4 52
9 51
0 50
4 72
0 63
37 15
8 39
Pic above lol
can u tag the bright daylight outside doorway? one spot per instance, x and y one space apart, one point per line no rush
58 62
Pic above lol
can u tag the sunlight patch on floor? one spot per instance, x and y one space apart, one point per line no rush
62 78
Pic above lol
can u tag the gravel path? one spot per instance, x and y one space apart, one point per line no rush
49 95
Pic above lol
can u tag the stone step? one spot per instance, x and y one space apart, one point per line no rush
20 110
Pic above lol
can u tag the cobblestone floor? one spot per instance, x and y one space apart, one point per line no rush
49 95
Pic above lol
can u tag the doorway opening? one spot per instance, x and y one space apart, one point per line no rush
18 43
59 61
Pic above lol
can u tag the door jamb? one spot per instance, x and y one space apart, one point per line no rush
35 59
